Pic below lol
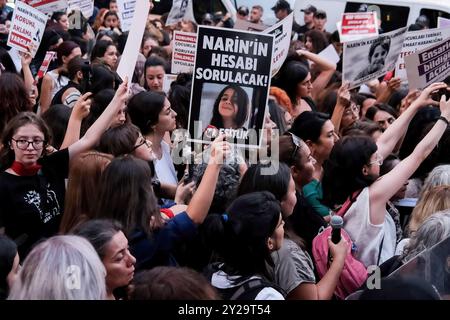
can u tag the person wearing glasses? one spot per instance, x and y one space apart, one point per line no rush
353 172
32 183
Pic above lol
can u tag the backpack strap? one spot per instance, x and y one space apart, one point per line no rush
348 203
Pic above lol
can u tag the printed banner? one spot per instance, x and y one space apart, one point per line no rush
48 6
49 56
282 39
358 25
418 40
85 6
369 59
230 85
183 53
429 65
181 9
27 28
130 53
126 12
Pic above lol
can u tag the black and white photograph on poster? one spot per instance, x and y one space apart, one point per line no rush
230 85
368 59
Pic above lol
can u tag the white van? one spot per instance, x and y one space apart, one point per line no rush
394 14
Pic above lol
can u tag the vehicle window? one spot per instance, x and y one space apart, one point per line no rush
433 15
392 17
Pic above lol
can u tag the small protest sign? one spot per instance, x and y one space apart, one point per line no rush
230 85
126 12
282 39
49 56
183 53
181 10
85 6
368 59
418 40
27 28
428 65
358 25
48 6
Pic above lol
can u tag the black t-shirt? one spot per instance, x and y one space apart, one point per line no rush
23 213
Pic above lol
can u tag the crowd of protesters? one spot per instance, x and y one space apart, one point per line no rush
88 184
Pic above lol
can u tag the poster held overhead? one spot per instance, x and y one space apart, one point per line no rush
130 53
368 59
183 53
27 28
230 85
428 65
85 6
181 10
358 25
48 6
126 12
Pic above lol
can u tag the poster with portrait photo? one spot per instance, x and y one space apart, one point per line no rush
368 59
230 85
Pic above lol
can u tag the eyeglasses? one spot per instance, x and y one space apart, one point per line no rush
297 143
142 142
23 144
378 160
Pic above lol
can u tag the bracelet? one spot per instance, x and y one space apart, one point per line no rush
444 119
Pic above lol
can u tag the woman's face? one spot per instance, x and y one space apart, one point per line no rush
111 22
25 134
378 56
155 78
148 45
383 119
110 56
64 22
75 53
118 262
309 45
304 88
228 107
373 167
120 118
304 165
289 200
323 147
14 273
350 116
167 120
143 149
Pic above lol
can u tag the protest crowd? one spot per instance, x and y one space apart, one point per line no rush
180 159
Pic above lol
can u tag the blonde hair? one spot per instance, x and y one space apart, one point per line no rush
61 268
433 200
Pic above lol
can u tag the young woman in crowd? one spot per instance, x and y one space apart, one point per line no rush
32 183
366 221
294 269
108 239
154 71
55 79
105 53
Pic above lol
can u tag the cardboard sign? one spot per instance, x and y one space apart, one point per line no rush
48 6
85 6
183 53
130 53
282 39
418 40
27 28
230 85
181 10
49 56
126 12
429 65
368 59
358 25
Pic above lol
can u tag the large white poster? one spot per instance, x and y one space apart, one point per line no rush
27 28
371 58
126 12
181 9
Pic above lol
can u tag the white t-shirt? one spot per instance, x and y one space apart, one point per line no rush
165 170
221 280
368 236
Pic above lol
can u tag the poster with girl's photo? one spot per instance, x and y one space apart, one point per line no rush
230 85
